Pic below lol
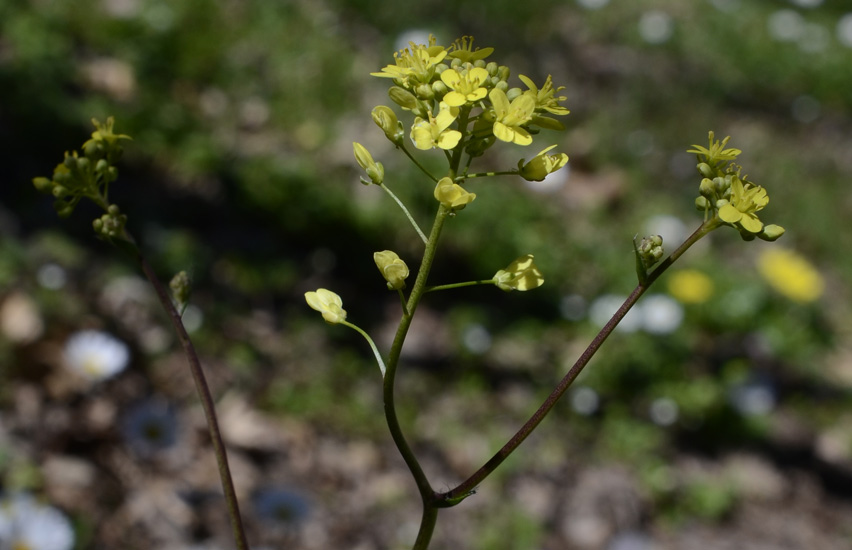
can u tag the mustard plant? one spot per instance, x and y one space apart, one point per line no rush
458 105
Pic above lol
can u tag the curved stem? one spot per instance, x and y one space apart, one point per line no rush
369 340
406 211
464 489
206 399
417 163
417 291
427 527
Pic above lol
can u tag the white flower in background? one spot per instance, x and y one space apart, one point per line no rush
28 524
604 307
661 314
96 355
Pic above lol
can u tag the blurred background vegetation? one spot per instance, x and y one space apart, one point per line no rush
241 171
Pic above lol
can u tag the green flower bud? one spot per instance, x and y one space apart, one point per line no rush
707 189
101 166
439 88
424 91
98 225
385 118
402 97
702 204
374 170
70 161
60 191
181 287
43 185
479 63
492 68
113 210
705 170
512 93
83 164
771 232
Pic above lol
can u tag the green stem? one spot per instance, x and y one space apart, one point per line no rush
206 403
417 163
466 488
369 341
417 291
460 285
406 211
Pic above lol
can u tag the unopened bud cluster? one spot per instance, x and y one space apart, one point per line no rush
88 176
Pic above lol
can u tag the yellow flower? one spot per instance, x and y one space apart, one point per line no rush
434 132
716 152
328 303
466 87
544 97
393 269
511 116
522 274
414 66
541 165
746 199
385 118
690 286
791 275
452 195
463 49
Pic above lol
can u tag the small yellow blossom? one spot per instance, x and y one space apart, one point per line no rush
745 201
466 87
463 49
541 165
522 274
511 116
690 286
716 152
328 303
385 118
452 195
544 97
393 269
414 66
791 275
435 132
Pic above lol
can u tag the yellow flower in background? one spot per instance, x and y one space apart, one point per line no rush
466 87
791 275
690 286
522 274
452 195
328 303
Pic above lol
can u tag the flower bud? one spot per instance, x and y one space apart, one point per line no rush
650 249
492 68
392 268
43 185
101 166
374 170
385 118
83 164
402 97
705 169
328 303
702 204
452 195
541 165
181 287
512 93
707 189
424 91
771 232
